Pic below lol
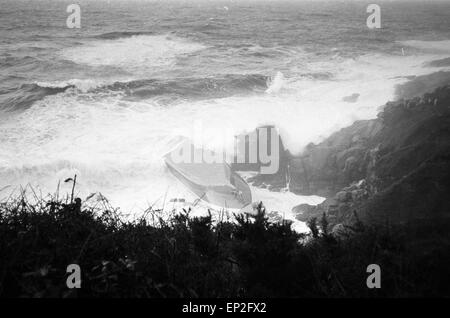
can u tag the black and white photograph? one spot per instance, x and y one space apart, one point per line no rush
233 151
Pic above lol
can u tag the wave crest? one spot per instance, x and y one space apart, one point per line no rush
24 96
138 54
119 35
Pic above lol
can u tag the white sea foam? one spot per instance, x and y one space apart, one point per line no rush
83 85
429 46
276 83
138 54
115 145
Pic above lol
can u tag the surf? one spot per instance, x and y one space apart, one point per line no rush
136 53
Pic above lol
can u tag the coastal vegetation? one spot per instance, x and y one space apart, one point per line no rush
385 180
187 256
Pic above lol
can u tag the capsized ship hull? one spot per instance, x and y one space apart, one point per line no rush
214 183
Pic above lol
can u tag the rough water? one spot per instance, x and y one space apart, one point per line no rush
108 100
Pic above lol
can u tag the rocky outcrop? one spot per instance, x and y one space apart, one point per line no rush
342 158
273 181
338 208
419 85
395 167
351 99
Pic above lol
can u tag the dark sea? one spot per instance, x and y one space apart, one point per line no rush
107 100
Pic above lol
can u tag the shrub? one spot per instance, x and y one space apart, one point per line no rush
184 256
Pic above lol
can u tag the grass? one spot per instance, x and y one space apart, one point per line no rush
185 256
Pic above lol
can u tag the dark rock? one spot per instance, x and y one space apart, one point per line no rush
439 63
340 231
396 166
423 84
275 216
351 99
342 158
275 180
343 196
305 211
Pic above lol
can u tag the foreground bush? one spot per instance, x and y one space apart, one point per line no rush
188 256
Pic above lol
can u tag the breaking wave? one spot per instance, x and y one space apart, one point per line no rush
123 34
138 54
126 97
26 95
183 88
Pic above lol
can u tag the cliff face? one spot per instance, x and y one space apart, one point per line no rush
342 158
395 166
